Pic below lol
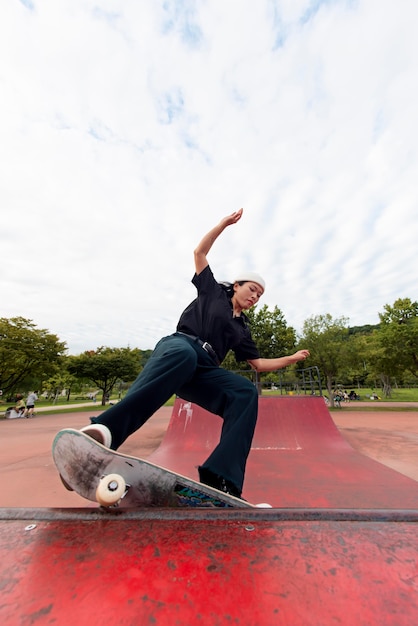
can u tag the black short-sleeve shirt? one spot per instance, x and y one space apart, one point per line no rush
210 317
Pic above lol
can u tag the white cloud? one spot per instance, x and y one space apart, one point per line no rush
128 129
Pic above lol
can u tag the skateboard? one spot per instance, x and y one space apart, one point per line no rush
117 480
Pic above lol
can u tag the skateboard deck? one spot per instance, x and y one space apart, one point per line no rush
117 480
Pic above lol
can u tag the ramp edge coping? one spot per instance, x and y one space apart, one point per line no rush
202 514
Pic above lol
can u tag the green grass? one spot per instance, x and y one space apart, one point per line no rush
93 406
378 407
61 406
403 395
398 395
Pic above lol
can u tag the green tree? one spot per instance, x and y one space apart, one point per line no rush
327 341
361 348
26 352
105 366
271 334
60 381
398 341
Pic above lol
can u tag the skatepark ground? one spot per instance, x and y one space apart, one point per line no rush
339 545
30 478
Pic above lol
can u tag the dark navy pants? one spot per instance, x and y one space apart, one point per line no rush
180 366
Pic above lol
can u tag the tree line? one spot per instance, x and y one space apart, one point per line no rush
378 355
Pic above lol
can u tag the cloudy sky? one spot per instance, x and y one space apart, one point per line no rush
128 128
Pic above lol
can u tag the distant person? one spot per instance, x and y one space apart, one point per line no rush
337 399
30 404
20 405
187 362
16 411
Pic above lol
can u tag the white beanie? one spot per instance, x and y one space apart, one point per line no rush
252 277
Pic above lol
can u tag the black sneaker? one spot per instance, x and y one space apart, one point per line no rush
218 482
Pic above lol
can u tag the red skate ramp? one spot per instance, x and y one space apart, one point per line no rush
298 458
314 565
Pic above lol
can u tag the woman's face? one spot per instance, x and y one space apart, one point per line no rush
247 294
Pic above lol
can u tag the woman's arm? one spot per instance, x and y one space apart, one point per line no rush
200 253
270 365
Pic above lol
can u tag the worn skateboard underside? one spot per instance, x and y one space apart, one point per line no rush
83 462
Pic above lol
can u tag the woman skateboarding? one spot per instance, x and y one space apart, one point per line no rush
187 362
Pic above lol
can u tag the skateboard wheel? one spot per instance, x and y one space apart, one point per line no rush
263 505
110 489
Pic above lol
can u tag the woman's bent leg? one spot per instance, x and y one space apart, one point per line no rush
172 363
235 399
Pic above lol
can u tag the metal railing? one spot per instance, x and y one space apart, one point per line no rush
309 382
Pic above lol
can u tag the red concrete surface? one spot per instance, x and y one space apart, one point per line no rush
390 437
298 458
261 567
29 476
30 479
211 572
